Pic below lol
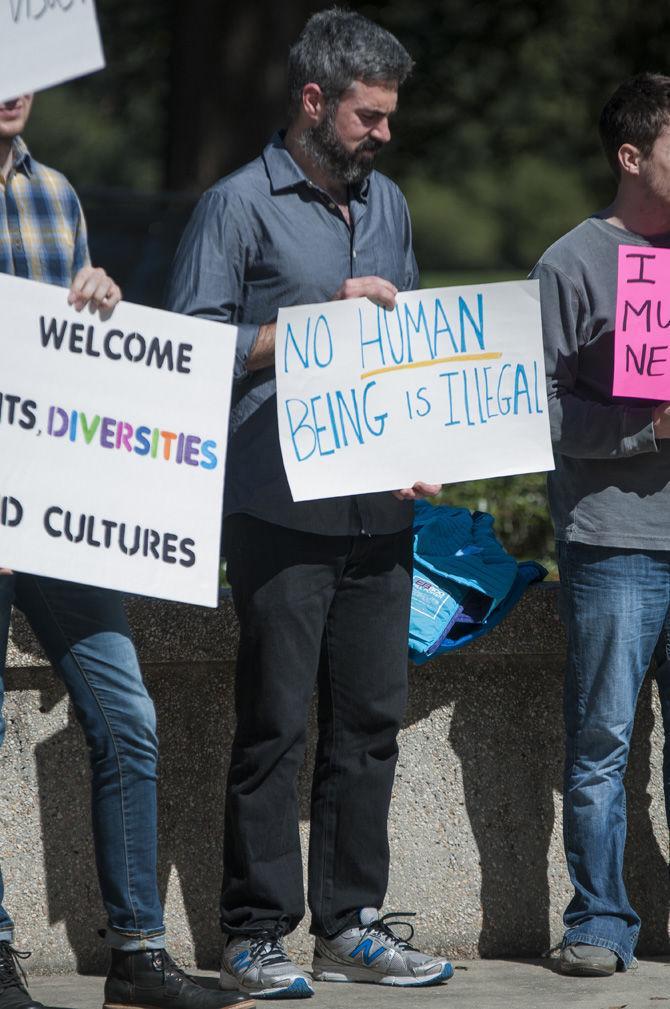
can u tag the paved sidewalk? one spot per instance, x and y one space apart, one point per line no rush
480 984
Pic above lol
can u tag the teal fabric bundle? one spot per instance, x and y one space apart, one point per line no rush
464 581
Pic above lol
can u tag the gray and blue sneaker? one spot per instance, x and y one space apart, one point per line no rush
373 954
584 960
259 966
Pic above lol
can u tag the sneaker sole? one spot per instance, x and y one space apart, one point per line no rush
586 970
362 975
247 1004
299 988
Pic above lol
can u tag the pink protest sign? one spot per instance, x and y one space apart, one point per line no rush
642 333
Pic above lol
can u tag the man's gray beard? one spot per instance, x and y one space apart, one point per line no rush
324 148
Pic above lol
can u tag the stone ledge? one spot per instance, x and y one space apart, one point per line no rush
174 632
475 825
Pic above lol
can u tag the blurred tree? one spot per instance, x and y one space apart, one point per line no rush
193 90
227 83
519 504
109 129
502 110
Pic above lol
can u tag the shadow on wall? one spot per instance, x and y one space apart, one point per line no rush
195 740
507 732
505 729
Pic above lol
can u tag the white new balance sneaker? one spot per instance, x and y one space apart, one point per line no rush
259 965
371 953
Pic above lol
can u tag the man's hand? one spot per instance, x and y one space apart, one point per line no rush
93 287
661 419
381 292
5 571
419 490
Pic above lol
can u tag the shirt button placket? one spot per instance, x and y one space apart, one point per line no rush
13 222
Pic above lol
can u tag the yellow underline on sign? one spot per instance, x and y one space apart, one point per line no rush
493 356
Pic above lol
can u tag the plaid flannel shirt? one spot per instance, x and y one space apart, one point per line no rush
42 227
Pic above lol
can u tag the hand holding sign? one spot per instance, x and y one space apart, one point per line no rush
376 289
93 287
379 291
661 418
419 490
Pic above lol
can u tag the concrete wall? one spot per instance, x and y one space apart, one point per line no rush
475 824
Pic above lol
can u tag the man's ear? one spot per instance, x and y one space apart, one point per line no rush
313 103
629 159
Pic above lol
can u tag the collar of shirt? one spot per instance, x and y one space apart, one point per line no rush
285 174
21 159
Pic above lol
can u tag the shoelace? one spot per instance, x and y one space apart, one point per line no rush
164 962
384 925
12 974
267 947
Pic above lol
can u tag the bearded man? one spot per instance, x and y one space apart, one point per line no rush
321 588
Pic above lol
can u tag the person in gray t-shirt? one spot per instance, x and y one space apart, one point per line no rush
610 503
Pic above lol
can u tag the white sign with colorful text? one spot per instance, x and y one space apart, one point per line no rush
46 42
112 443
448 386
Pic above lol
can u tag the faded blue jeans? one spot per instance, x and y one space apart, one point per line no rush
85 634
615 604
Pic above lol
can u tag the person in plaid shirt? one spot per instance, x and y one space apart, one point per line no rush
85 634
42 228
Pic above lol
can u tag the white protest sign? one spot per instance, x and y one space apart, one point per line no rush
112 443
448 386
46 42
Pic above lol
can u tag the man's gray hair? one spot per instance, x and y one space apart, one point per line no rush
337 47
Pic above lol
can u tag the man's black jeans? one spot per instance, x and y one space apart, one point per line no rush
332 609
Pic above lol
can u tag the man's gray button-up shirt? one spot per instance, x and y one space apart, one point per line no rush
261 239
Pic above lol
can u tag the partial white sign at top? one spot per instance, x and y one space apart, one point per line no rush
46 42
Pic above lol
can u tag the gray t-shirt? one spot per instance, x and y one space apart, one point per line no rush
611 486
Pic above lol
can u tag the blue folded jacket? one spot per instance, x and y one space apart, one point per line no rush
464 583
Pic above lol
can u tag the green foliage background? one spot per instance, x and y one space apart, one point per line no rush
495 143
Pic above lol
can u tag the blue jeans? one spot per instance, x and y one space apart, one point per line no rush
662 656
86 637
615 604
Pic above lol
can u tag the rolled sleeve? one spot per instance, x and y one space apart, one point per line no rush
246 338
